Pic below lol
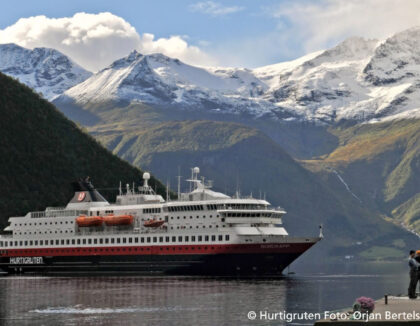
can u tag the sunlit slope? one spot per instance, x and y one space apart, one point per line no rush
381 164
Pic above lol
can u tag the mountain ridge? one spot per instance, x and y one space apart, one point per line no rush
358 80
46 70
325 87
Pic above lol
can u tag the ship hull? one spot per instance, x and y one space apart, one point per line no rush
265 260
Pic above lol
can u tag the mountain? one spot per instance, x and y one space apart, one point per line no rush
47 71
379 163
357 80
237 157
42 152
159 80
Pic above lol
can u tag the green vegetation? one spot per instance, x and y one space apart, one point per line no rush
381 164
42 152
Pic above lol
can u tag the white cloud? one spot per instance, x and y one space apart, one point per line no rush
214 8
96 40
324 23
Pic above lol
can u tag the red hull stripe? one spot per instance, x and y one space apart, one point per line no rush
286 248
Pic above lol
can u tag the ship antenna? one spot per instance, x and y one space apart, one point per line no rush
146 177
192 177
120 189
167 190
321 234
179 182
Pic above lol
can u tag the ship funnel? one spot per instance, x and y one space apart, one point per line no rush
146 177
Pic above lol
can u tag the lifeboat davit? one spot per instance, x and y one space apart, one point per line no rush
153 223
112 220
86 221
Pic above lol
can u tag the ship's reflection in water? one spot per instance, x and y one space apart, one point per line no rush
179 301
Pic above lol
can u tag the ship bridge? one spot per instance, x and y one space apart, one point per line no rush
252 216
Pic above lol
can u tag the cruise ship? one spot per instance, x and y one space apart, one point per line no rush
202 232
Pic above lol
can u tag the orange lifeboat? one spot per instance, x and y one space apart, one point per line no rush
153 223
87 221
112 220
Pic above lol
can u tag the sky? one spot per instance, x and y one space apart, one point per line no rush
240 33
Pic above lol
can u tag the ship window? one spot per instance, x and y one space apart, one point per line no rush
112 240
67 242
148 239
142 240
73 241
78 241
130 240
220 237
11 243
26 243
136 240
227 237
206 238
187 238
213 238
200 238
89 241
106 240
154 239
179 239
84 241
173 239
57 242
124 240
167 239
118 240
101 241
193 238
31 243
160 239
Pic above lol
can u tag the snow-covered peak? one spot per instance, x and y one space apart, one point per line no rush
358 79
397 59
47 71
158 78
351 49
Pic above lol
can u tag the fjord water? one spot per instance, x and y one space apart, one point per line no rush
188 300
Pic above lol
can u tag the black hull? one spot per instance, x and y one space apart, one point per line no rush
246 264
